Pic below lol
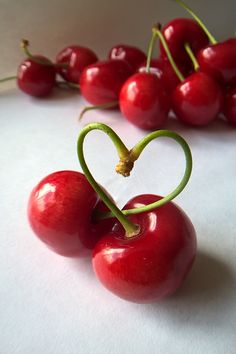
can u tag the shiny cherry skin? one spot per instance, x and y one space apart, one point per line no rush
144 102
180 31
197 100
163 69
78 58
133 55
230 105
152 265
219 61
60 212
100 83
36 79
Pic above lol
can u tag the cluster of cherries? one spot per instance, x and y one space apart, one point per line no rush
142 253
194 76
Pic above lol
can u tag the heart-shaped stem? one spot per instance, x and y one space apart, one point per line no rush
198 20
130 228
127 159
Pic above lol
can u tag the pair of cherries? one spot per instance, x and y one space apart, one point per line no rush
142 253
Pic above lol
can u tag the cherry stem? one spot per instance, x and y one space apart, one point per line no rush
24 44
158 33
68 84
130 228
150 51
101 106
8 78
136 152
197 19
192 56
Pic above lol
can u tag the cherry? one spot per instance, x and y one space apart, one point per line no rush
146 256
230 105
60 212
177 33
144 102
219 61
197 100
77 58
154 263
36 79
133 55
100 83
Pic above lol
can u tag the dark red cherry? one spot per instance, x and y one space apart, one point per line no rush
197 100
60 212
219 61
133 55
230 105
153 264
177 33
78 58
144 102
100 83
36 79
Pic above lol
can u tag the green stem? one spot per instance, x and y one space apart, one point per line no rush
130 228
192 56
101 106
25 46
136 152
201 24
168 53
150 51
68 84
8 78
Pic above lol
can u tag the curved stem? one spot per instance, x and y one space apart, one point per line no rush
101 106
130 228
68 84
136 152
197 19
168 53
8 78
24 44
192 56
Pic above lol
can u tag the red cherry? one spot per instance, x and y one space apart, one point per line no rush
36 79
60 212
163 69
77 58
153 264
177 33
100 83
219 61
197 100
230 105
133 55
144 102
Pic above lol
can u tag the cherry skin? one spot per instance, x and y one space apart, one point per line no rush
36 79
100 83
133 55
230 105
60 212
163 69
144 102
219 61
153 264
177 33
197 100
78 58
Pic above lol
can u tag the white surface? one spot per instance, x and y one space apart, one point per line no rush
50 304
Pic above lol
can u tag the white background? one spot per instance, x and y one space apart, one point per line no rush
51 305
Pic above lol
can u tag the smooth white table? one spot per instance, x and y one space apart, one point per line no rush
50 304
